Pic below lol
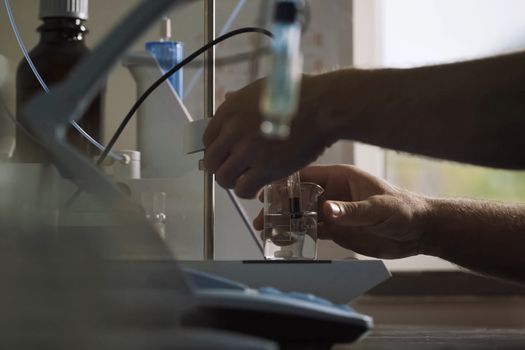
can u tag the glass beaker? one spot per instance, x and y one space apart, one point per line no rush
288 235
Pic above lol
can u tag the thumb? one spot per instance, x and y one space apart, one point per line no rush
362 213
229 94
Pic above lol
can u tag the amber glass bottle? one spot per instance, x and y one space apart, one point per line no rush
62 45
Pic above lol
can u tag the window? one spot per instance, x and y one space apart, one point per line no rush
408 33
438 178
448 31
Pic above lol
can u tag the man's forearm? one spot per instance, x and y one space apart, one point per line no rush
470 112
487 237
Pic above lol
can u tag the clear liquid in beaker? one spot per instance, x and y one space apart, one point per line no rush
280 242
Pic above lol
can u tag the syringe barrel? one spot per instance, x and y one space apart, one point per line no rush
280 98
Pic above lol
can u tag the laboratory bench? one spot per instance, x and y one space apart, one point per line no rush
398 337
443 311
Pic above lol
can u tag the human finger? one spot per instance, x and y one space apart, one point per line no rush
316 173
229 95
250 182
361 213
230 170
258 222
260 196
211 133
218 152
323 231
213 129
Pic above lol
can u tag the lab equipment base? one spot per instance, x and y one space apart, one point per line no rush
337 281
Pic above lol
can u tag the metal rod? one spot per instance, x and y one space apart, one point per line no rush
209 110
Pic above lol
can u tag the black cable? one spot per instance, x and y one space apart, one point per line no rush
168 74
234 58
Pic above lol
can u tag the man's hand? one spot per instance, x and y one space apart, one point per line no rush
366 214
242 158
371 217
469 104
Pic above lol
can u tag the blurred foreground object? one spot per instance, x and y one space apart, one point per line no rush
281 95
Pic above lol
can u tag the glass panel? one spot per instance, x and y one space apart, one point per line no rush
439 178
422 32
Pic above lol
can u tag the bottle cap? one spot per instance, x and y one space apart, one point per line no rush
165 29
286 12
64 8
